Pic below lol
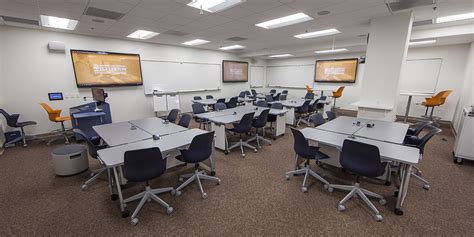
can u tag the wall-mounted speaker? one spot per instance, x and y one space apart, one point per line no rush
57 46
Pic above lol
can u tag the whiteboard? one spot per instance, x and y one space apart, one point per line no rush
296 76
420 75
186 76
257 76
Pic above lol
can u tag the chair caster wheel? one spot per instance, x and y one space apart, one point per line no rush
287 177
304 189
255 150
378 217
169 210
173 192
341 207
125 214
458 161
382 201
84 187
398 212
388 183
226 152
113 197
181 179
134 221
219 182
243 155
426 187
177 193
204 195
213 173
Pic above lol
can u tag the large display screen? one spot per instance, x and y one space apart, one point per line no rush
336 71
94 68
235 71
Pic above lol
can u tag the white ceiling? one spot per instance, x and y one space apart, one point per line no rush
351 17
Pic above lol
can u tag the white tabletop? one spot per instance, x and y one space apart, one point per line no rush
205 101
156 126
115 134
342 124
225 112
230 118
416 93
383 131
291 103
114 156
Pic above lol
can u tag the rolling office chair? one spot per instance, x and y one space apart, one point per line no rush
197 98
185 120
199 109
55 116
337 94
254 92
317 119
313 107
269 98
12 121
247 93
273 117
93 145
307 152
331 115
262 103
198 151
282 97
277 96
302 111
242 127
241 96
209 97
309 96
284 92
220 106
420 143
273 91
173 115
221 100
232 102
142 166
259 123
321 102
360 159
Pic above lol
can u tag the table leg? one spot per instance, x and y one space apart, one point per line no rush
119 191
408 108
405 173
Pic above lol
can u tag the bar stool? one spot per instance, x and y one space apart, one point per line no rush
336 94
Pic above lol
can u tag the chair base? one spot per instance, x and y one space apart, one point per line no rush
242 144
416 173
259 138
146 196
308 172
94 175
196 176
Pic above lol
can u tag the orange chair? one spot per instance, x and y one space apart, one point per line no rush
309 89
433 101
336 94
55 116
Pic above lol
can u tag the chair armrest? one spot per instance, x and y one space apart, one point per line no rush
15 117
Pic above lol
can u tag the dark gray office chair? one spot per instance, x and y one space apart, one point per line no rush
313 107
143 166
198 151
321 102
420 143
317 119
259 123
273 117
173 115
273 91
185 120
269 98
261 103
254 92
331 115
242 127
220 106
277 96
360 159
221 100
284 92
242 94
209 97
304 150
197 98
282 97
247 93
232 102
416 128
302 112
199 109
12 121
309 96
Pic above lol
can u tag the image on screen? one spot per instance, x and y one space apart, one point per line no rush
93 68
336 71
235 71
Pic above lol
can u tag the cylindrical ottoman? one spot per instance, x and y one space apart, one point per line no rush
70 159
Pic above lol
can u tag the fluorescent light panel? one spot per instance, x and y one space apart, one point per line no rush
142 34
285 21
331 51
318 33
196 42
422 42
58 22
214 5
231 47
281 55
460 17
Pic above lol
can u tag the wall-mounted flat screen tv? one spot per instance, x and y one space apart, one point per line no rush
96 68
336 71
235 71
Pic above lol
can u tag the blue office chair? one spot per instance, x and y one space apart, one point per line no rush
259 123
220 106
273 91
197 98
232 103
313 107
199 109
242 94
273 117
12 121
221 100
142 166
309 96
254 92
360 159
302 112
277 96
317 119
242 127
282 97
198 151
173 115
331 115
269 98
209 97
185 120
284 92
304 150
261 103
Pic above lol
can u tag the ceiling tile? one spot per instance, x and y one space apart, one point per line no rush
161 5
190 12
236 12
112 5
147 13
260 5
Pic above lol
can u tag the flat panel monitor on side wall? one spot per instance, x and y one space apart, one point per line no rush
94 68
336 71
235 71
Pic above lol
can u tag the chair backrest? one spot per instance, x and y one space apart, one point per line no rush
421 142
254 92
91 147
221 100
416 128
184 120
277 96
285 92
261 120
313 105
269 98
338 92
304 108
300 145
209 97
261 103
317 119
12 119
197 98
200 148
198 108
277 105
173 115
144 164
331 115
273 91
242 94
232 102
282 97
245 123
361 158
445 95
309 96
436 99
220 106
323 97
52 114
248 93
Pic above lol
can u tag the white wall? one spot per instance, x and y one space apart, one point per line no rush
467 92
2 94
31 71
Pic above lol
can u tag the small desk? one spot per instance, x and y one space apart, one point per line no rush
115 134
156 126
410 95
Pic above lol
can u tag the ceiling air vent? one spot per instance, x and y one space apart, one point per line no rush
175 33
236 38
97 12
9 19
423 23
403 5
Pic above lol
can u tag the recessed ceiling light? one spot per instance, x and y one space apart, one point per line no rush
214 5
196 42
231 47
285 21
317 33
142 34
281 55
58 22
331 51
460 17
421 42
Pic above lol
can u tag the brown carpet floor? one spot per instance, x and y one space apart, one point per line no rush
253 199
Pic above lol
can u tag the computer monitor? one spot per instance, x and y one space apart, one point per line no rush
98 95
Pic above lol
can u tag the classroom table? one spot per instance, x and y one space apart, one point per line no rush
157 126
205 102
291 104
115 134
410 95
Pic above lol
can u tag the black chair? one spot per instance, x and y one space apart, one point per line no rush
185 120
142 166
232 103
173 115
242 127
242 94
313 107
247 93
93 145
198 151
321 102
221 100
273 91
284 92
209 97
220 106
262 103
282 97
309 96
12 121
277 96
420 143
317 119
273 117
360 159
416 128
199 109
302 112
197 98
254 92
331 115
259 123
269 98
304 150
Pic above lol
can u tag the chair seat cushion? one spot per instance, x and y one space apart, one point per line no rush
25 123
314 154
62 119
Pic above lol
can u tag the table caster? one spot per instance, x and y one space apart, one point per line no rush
458 161
125 213
398 212
213 173
226 152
